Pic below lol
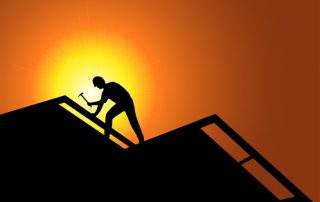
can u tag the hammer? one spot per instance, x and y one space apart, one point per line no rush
81 94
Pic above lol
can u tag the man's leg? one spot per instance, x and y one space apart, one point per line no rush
113 112
131 114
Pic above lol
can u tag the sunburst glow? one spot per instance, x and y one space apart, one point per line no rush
69 70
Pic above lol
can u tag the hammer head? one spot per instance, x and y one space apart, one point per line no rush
80 94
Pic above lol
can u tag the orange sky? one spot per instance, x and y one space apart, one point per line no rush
254 63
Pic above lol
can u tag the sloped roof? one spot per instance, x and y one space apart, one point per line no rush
46 143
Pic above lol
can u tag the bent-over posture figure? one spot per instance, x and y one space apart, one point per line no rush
123 102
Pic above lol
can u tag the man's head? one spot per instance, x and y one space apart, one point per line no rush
98 82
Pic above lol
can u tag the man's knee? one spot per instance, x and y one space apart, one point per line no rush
109 118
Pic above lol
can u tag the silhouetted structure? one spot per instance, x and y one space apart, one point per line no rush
48 147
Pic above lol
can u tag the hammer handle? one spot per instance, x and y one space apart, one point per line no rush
84 98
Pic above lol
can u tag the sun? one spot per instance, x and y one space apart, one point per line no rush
70 67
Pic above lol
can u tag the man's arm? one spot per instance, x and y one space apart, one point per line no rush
94 103
100 103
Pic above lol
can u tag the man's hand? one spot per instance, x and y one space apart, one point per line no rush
89 104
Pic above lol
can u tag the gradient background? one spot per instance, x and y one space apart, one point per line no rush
254 63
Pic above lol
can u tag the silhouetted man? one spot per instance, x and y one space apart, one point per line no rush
123 102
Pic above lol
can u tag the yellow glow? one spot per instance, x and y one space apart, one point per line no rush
69 70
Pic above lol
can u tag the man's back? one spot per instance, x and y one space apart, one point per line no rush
116 93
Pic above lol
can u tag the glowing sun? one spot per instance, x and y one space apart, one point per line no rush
70 67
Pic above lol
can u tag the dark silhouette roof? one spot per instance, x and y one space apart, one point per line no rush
46 144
